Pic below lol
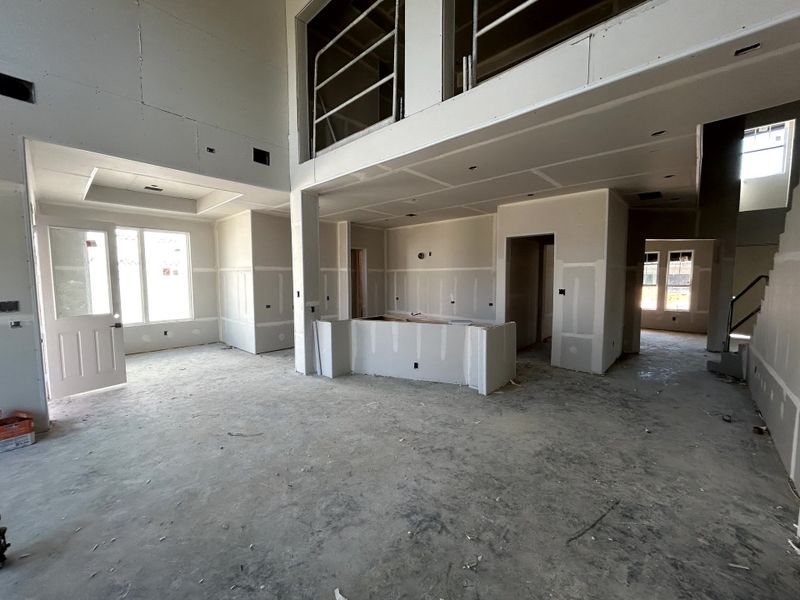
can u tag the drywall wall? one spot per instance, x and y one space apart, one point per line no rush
616 272
580 223
773 352
236 297
157 81
333 343
483 357
454 279
272 282
148 337
374 242
695 320
329 270
751 262
21 377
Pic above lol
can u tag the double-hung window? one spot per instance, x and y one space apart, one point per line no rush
650 281
764 151
679 280
154 275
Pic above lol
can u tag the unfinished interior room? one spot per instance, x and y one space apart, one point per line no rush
399 299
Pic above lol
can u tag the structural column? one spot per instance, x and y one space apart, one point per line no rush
305 277
343 261
720 190
424 60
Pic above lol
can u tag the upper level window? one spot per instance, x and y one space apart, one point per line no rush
354 56
679 280
650 282
764 151
154 275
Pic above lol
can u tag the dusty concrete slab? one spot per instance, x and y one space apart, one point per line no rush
216 474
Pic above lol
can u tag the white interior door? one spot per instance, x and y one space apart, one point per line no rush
83 339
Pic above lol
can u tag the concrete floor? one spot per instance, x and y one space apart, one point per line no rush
216 474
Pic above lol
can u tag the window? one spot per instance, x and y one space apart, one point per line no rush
679 280
764 151
80 272
650 282
154 279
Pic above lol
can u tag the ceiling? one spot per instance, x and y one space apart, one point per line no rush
62 175
604 139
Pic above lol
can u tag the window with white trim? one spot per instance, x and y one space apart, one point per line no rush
154 275
764 151
650 282
679 280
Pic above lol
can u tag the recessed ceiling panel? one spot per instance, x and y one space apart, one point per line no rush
389 187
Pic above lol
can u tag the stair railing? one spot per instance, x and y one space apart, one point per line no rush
753 313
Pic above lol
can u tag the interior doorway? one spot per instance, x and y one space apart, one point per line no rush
358 283
530 262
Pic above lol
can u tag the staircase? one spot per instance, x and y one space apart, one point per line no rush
734 364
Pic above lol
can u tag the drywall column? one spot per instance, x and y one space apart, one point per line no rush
632 332
424 62
20 350
343 255
305 275
720 188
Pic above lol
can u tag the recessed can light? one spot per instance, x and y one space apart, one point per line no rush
531 195
154 188
411 215
473 167
668 176
658 133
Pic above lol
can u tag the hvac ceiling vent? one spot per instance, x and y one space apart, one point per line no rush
644 196
16 88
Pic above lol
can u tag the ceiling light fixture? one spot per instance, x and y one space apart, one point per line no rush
154 188
747 49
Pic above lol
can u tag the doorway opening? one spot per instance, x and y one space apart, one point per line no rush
358 283
530 262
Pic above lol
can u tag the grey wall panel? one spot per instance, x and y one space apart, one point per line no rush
461 243
579 301
161 336
272 241
271 337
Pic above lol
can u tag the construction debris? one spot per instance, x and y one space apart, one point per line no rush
727 418
794 547
735 566
472 565
338 595
588 528
760 429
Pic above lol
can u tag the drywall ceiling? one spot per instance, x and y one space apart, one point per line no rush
61 175
602 138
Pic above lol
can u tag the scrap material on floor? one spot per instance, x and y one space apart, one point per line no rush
226 475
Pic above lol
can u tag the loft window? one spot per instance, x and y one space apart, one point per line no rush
154 275
679 280
354 77
650 282
764 151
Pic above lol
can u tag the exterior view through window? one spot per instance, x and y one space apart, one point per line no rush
679 280
154 280
764 151
650 282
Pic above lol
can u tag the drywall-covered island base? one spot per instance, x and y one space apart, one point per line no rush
483 357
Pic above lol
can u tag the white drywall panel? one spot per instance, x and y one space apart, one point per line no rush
448 294
191 72
343 246
579 223
773 354
500 351
20 353
87 41
424 58
616 272
656 32
391 349
179 334
272 241
235 242
333 340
